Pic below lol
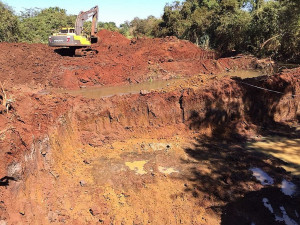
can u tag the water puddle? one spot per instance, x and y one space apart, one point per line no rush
137 166
262 176
107 91
281 66
284 218
99 92
268 205
243 73
288 188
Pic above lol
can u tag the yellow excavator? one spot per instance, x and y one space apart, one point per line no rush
74 39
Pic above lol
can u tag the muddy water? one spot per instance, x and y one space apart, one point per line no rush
282 148
107 91
281 66
98 92
244 73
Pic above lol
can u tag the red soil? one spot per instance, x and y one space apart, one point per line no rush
67 160
119 61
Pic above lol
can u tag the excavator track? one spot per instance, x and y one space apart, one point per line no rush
88 51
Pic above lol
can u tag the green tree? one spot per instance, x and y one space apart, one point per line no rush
173 22
143 27
9 24
125 29
289 18
231 31
108 26
37 25
265 28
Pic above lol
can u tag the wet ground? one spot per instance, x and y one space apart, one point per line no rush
147 86
244 73
99 92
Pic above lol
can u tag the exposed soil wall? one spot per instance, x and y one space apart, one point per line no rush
119 159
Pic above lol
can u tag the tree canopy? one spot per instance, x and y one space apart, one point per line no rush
265 28
9 24
36 25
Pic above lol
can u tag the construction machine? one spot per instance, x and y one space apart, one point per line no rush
74 39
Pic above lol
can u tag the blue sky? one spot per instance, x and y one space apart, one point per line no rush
109 10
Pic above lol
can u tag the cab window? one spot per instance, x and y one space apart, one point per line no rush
64 31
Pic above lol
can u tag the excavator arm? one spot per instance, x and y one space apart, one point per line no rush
83 16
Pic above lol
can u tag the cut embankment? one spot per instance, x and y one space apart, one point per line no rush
122 159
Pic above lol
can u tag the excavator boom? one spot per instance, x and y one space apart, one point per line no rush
83 16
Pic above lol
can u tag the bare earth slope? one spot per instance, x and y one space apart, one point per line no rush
180 154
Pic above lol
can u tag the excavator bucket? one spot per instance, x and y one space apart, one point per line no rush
94 39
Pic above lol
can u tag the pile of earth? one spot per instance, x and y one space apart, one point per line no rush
119 61
122 61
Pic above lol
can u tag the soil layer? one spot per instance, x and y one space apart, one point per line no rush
178 153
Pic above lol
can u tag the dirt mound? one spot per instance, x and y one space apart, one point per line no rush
28 63
170 49
119 61
123 61
106 37
156 49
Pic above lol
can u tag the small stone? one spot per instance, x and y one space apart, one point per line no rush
86 161
22 213
52 216
94 211
133 41
15 170
143 92
44 153
82 183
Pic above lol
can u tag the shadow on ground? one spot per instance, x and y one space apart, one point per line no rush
4 181
219 173
220 166
65 51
